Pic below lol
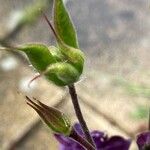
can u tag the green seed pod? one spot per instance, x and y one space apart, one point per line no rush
72 55
63 24
40 57
56 53
57 121
62 65
66 36
64 71
47 60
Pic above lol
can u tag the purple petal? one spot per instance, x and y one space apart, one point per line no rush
62 147
77 127
68 144
73 146
99 138
66 141
117 143
77 147
143 140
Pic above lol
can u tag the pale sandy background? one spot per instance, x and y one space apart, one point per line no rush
115 88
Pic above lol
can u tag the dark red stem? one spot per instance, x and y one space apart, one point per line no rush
79 115
84 143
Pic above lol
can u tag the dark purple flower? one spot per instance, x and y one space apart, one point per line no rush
143 141
102 141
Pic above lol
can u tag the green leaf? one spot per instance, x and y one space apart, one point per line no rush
63 25
56 53
50 60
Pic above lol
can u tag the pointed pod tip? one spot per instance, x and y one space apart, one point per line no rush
56 120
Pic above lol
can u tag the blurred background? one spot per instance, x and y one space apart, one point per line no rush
114 90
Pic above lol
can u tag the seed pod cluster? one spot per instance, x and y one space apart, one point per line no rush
63 64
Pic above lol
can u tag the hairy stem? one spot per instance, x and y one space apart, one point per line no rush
84 143
79 115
